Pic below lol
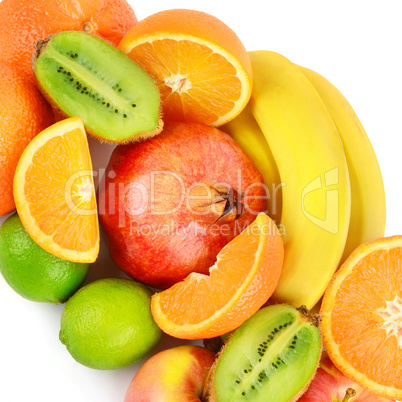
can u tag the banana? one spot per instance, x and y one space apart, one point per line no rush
312 166
246 132
368 212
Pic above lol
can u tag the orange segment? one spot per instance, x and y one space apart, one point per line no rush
199 64
362 317
244 276
55 195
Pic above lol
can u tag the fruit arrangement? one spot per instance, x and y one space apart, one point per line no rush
234 190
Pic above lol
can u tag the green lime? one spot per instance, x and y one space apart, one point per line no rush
33 272
108 324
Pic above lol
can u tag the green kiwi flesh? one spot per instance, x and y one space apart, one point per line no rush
81 75
271 357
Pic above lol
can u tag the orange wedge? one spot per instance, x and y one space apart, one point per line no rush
244 276
55 195
362 317
201 68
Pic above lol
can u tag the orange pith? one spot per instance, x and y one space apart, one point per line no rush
243 278
55 195
362 317
200 66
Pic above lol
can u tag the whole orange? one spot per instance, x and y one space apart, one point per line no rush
24 113
24 22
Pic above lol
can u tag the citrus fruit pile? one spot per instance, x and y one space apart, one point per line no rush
242 229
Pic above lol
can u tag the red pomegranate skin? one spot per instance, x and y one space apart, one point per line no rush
329 384
153 235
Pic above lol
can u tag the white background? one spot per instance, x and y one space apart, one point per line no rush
356 45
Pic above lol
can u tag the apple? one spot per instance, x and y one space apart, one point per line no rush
168 205
330 385
177 374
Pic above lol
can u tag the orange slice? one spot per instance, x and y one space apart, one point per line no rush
201 68
55 195
362 317
244 276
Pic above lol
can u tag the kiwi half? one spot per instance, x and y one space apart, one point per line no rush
81 75
273 356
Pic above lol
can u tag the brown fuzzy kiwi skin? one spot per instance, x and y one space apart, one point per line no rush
213 344
136 138
314 320
39 47
208 394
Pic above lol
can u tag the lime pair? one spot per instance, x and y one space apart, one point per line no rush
107 324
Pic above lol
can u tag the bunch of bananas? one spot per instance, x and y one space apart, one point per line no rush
323 180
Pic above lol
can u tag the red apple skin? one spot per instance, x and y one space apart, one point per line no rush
176 374
141 240
330 385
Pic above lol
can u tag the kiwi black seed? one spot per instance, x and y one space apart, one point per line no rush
81 75
272 357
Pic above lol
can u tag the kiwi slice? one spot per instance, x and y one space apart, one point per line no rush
81 75
271 357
